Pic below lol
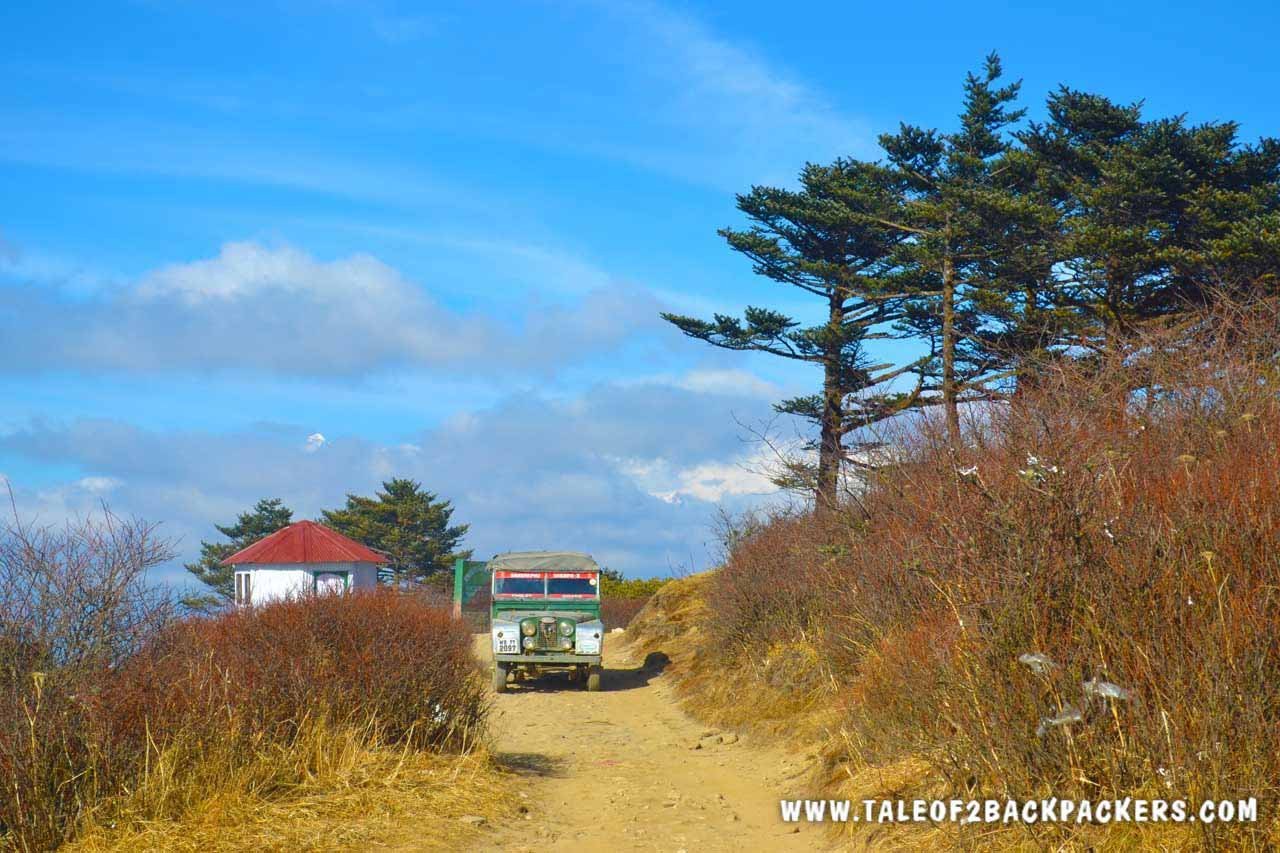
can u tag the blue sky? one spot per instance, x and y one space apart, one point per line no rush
440 235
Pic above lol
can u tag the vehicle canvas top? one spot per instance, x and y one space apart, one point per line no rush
543 561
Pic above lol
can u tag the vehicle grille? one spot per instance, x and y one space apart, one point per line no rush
547 635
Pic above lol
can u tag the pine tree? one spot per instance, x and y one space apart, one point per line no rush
1158 216
409 525
267 516
958 213
1019 324
813 239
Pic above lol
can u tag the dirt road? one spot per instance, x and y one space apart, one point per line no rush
625 769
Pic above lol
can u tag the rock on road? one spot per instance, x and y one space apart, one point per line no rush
618 770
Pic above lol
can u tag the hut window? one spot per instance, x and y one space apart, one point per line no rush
330 582
243 588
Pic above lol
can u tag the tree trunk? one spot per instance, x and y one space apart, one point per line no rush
1114 332
949 391
830 449
1030 356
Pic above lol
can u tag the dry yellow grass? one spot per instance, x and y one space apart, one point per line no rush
748 698
330 790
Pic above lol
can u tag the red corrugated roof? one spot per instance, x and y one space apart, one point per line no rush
305 542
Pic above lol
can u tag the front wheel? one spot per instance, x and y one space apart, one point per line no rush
499 678
593 679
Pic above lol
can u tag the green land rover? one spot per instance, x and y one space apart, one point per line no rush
545 616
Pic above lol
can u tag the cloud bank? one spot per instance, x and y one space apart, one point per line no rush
631 473
279 310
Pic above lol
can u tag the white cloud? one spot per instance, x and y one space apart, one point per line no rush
315 441
729 381
710 481
714 481
60 502
48 271
751 120
98 485
280 310
243 269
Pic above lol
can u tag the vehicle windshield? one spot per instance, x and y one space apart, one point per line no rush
582 585
553 584
521 585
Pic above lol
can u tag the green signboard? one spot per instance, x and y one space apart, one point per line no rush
470 586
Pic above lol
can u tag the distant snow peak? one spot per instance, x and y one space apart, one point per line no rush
315 441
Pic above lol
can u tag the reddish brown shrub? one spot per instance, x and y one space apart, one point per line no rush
1120 518
618 612
73 605
770 590
377 656
384 663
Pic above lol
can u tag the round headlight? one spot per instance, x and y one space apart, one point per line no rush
566 643
528 629
566 628
528 642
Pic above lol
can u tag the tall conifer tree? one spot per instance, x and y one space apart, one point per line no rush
956 215
813 240
1157 216
408 524
267 516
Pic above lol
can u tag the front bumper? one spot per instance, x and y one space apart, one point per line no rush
549 657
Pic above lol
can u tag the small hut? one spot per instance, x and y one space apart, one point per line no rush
303 558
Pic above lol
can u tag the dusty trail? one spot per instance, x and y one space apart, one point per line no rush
617 770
